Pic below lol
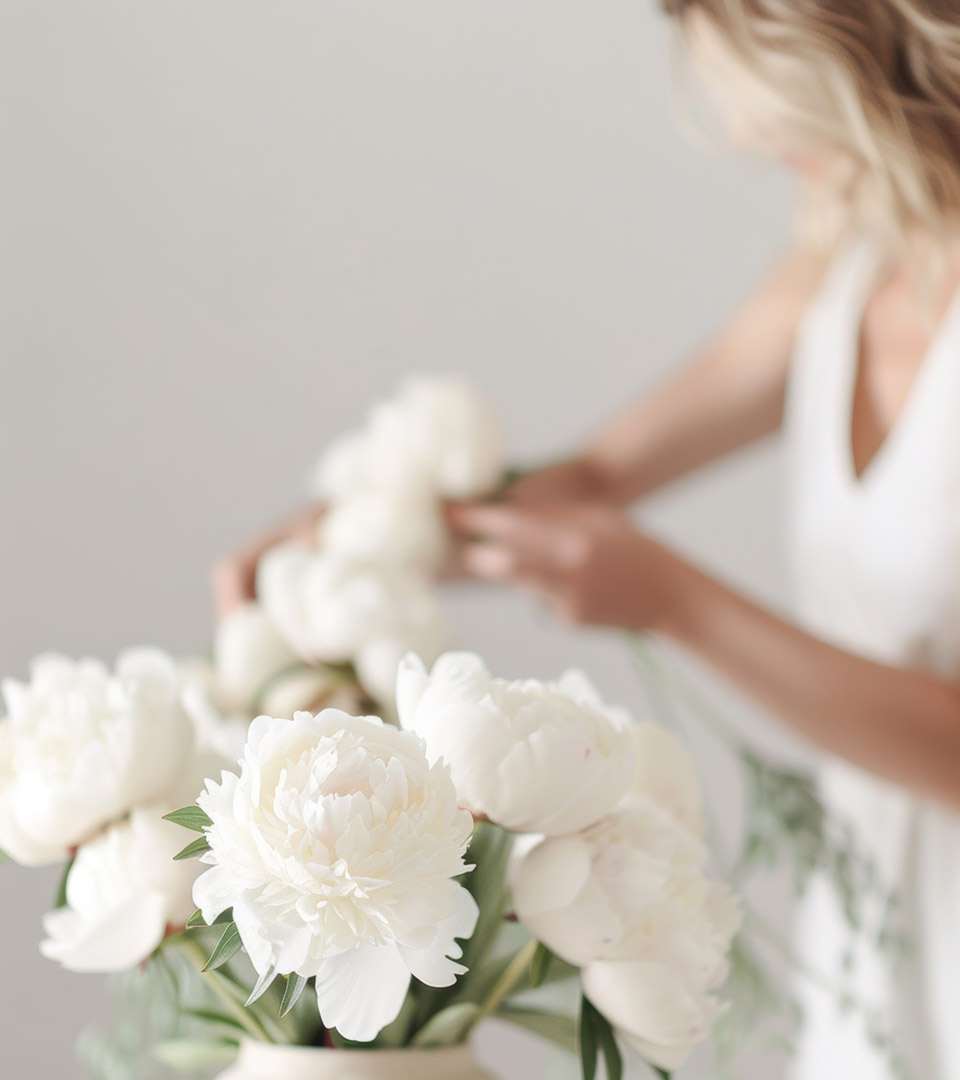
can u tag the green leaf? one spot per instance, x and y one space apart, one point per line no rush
559 1029
608 1044
490 849
263 985
233 1028
190 817
448 1027
540 965
60 897
228 945
662 1073
587 1040
211 1016
196 919
291 993
193 849
195 1055
4 857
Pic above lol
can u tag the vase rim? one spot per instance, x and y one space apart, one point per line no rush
256 1048
326 1063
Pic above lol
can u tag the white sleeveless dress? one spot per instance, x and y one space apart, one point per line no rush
877 572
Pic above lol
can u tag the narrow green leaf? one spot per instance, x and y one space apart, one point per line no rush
190 817
291 993
4 857
210 1016
193 849
197 919
60 897
263 985
556 1027
662 1073
448 1027
608 1044
227 946
587 1039
540 965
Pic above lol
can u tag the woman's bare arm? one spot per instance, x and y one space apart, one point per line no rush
901 724
590 564
729 396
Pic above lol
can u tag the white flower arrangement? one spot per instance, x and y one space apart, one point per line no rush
365 825
337 856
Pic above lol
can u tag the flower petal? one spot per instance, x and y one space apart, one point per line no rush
122 939
361 991
436 965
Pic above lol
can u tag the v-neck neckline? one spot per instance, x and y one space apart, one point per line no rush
871 267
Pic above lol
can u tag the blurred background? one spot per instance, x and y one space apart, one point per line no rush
228 227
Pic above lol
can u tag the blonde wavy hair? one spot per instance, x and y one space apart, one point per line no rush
876 82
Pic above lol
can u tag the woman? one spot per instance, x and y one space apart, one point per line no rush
853 348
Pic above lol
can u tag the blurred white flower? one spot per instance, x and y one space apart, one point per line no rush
81 746
533 757
336 847
402 527
437 430
629 902
660 1001
613 888
336 610
123 891
667 774
309 689
248 652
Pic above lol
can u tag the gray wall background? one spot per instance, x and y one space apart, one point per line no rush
227 226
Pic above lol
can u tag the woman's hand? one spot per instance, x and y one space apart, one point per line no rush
588 563
578 480
585 560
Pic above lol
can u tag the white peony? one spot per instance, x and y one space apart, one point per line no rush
628 901
123 891
438 431
336 847
81 746
402 527
660 1001
309 689
533 757
248 652
667 774
614 888
336 610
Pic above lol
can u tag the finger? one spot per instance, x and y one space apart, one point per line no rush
498 562
522 528
490 562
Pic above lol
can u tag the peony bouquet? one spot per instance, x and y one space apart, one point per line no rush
334 834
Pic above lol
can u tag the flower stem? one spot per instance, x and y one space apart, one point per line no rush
220 986
508 981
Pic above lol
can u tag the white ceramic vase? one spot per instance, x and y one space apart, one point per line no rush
265 1061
